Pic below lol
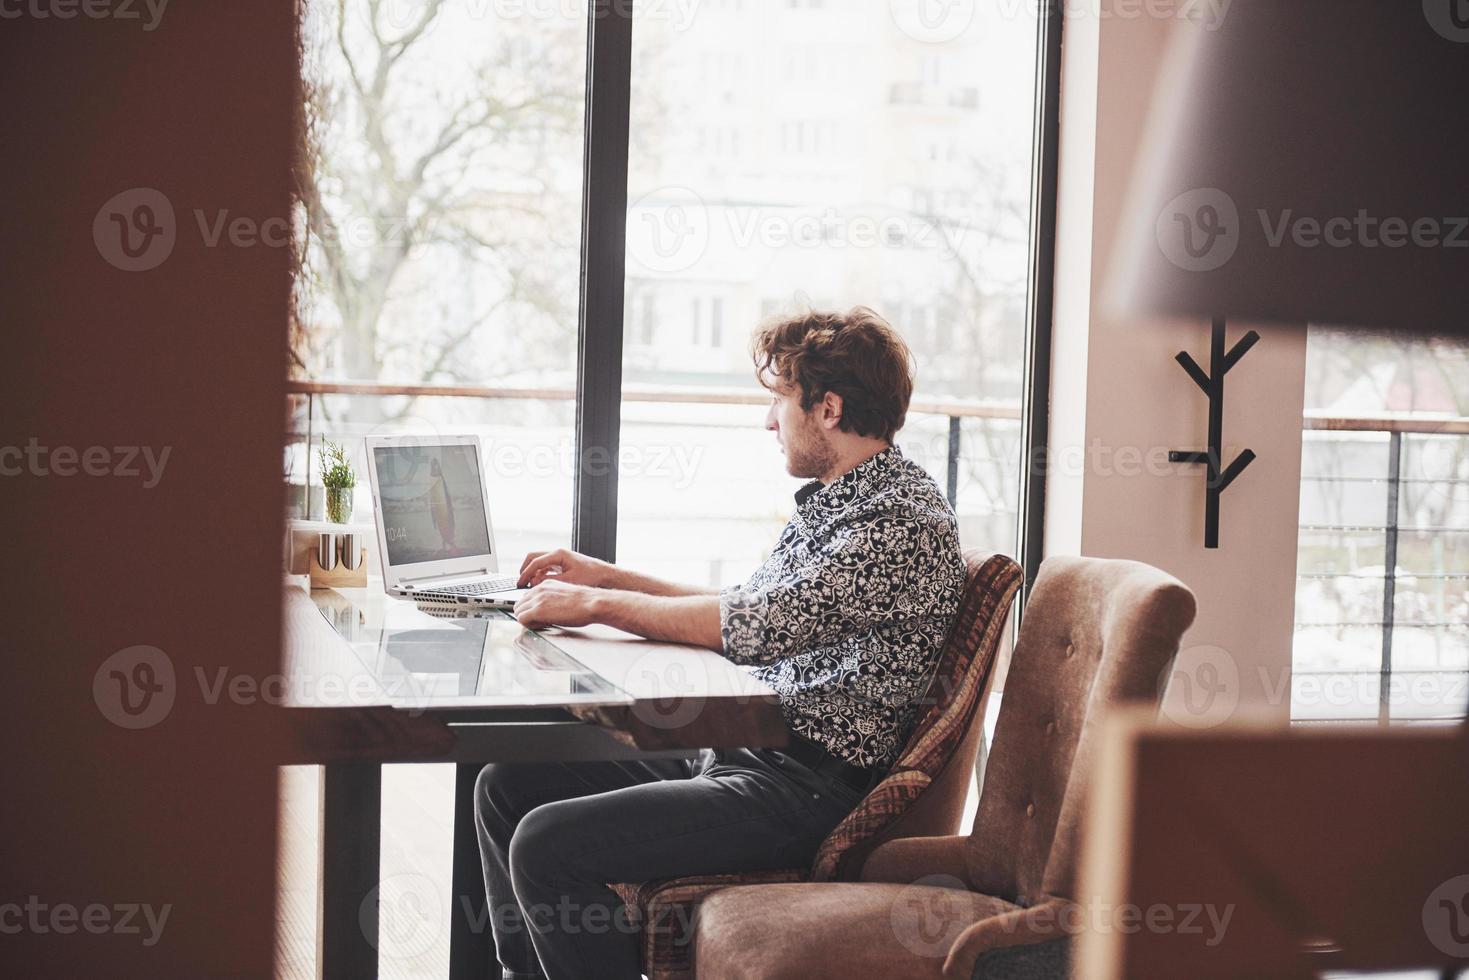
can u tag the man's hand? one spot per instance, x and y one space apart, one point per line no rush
557 603
564 565
690 619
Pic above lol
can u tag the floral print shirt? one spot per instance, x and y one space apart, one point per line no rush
847 617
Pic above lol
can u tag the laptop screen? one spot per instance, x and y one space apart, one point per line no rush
433 503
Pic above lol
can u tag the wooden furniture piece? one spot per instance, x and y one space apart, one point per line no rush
1331 849
683 699
339 576
923 795
1095 633
138 348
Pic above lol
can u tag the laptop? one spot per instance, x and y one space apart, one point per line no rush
433 522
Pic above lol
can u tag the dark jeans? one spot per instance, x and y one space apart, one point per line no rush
553 837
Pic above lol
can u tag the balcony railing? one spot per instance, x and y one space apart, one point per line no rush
1371 526
1433 559
955 410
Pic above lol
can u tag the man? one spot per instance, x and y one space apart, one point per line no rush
844 621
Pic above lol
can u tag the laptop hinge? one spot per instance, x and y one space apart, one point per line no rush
471 573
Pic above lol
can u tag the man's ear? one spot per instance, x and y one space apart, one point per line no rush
830 410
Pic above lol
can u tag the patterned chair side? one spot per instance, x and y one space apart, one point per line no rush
664 910
954 695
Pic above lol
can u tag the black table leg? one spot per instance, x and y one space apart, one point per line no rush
471 943
351 839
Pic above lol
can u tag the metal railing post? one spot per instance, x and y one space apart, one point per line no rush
953 470
310 427
1389 575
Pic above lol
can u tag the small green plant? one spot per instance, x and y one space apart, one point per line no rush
338 479
336 469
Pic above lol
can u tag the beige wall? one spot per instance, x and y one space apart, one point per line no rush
1120 402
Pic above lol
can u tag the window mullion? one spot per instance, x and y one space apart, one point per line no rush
600 323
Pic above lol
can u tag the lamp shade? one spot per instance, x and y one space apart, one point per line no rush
1307 161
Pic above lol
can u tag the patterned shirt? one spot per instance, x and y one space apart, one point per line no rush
847 617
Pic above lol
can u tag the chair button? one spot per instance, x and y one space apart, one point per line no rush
1070 650
1030 810
1050 728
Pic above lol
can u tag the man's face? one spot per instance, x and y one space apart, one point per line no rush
803 438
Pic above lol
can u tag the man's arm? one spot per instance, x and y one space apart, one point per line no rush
691 619
627 580
566 565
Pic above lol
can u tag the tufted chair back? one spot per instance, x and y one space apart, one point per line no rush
1095 632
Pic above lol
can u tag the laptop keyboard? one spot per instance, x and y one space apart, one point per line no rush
502 584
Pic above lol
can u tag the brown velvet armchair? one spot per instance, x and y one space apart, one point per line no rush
922 795
1094 633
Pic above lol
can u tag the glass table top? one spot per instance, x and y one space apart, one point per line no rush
448 658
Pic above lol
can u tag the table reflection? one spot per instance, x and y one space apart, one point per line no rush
428 656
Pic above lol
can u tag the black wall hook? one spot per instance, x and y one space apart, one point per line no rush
1220 364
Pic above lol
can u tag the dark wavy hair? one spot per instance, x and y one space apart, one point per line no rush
857 355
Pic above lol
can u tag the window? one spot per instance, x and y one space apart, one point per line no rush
440 215
440 224
890 186
451 222
1382 598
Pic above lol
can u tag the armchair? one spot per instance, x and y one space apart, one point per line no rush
1095 633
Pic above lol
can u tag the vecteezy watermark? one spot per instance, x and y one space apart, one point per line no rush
1201 230
406 14
1435 466
677 465
940 21
1062 459
1201 688
1450 18
1095 458
1205 920
932 21
137 688
927 917
1335 694
671 691
567 917
40 918
668 229
1363 230
147 12
671 228
1209 14
127 462
137 230
1206 687
1446 917
404 916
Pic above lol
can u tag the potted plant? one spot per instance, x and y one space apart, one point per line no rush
339 480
